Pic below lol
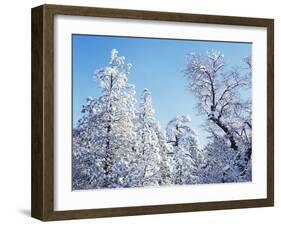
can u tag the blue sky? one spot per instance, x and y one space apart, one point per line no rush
157 65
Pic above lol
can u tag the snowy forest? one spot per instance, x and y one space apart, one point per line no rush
119 143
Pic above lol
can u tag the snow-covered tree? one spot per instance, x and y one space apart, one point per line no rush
116 144
83 164
219 166
166 158
107 128
218 93
153 166
187 156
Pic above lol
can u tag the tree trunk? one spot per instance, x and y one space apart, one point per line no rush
233 144
108 157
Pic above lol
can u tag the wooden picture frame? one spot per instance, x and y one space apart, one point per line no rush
42 203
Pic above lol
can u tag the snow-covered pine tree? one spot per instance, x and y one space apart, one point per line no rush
166 158
153 166
87 164
187 156
83 164
107 126
149 157
220 166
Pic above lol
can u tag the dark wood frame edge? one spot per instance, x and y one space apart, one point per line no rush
42 194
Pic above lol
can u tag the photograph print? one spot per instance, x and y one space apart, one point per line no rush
150 112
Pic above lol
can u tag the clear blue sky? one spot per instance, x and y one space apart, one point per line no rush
157 65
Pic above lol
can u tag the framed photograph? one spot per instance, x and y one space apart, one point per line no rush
141 112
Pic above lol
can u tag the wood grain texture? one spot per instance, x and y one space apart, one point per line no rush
37 159
270 111
42 203
42 113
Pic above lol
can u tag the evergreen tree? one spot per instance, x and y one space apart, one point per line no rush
107 126
187 156
148 143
